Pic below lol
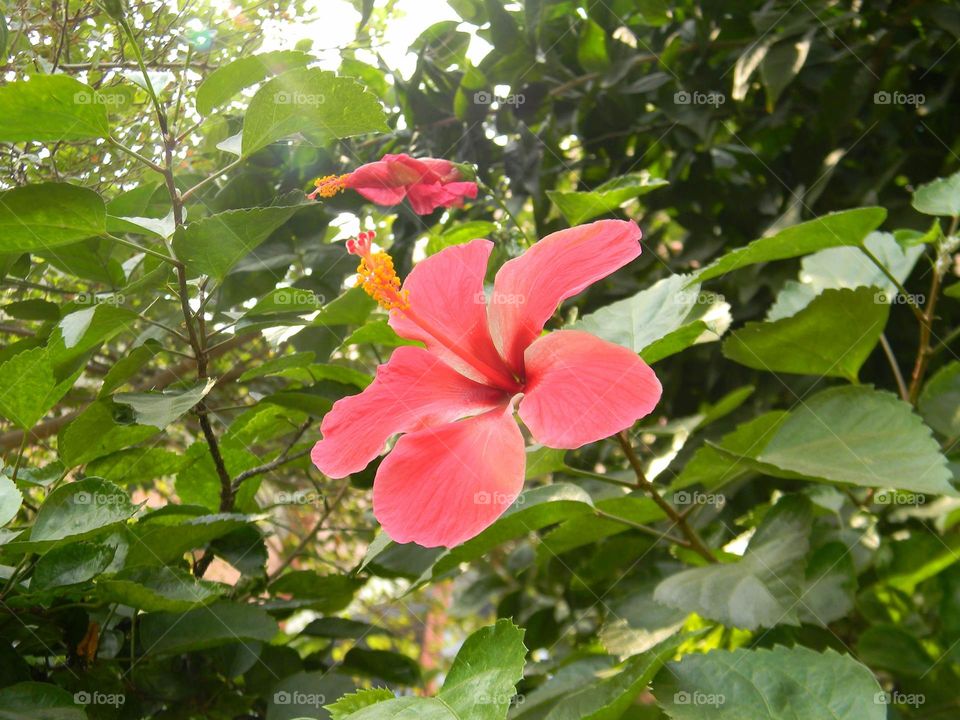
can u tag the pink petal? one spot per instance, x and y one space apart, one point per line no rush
445 484
448 312
414 389
427 197
581 389
529 288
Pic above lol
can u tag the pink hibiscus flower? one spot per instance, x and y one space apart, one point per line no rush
428 182
460 460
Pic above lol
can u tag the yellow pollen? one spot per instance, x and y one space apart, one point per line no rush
378 278
329 185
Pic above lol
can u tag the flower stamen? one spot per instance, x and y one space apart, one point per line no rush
376 274
328 186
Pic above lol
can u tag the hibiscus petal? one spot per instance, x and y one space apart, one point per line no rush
581 389
448 311
414 389
445 484
427 197
529 288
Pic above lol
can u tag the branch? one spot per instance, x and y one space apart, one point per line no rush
281 459
696 544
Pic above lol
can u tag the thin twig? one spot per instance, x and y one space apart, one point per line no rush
892 359
281 459
308 538
696 544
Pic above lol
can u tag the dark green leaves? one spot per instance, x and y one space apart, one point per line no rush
817 340
51 108
310 101
848 227
206 627
38 217
29 387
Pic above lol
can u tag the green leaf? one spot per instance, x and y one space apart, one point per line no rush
567 679
817 340
848 227
481 682
47 215
164 536
385 665
287 300
342 628
38 701
29 388
939 197
888 647
780 66
34 309
720 463
377 332
96 432
214 244
80 509
70 564
592 49
860 436
542 460
226 81
326 593
939 402
278 364
763 588
652 314
458 234
534 509
578 207
301 696
407 708
354 702
10 500
313 101
162 407
205 627
610 697
51 108
136 466
777 684
159 588
126 367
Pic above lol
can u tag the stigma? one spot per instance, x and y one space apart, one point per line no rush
328 186
376 274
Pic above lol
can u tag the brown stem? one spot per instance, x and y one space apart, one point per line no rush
924 351
696 544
